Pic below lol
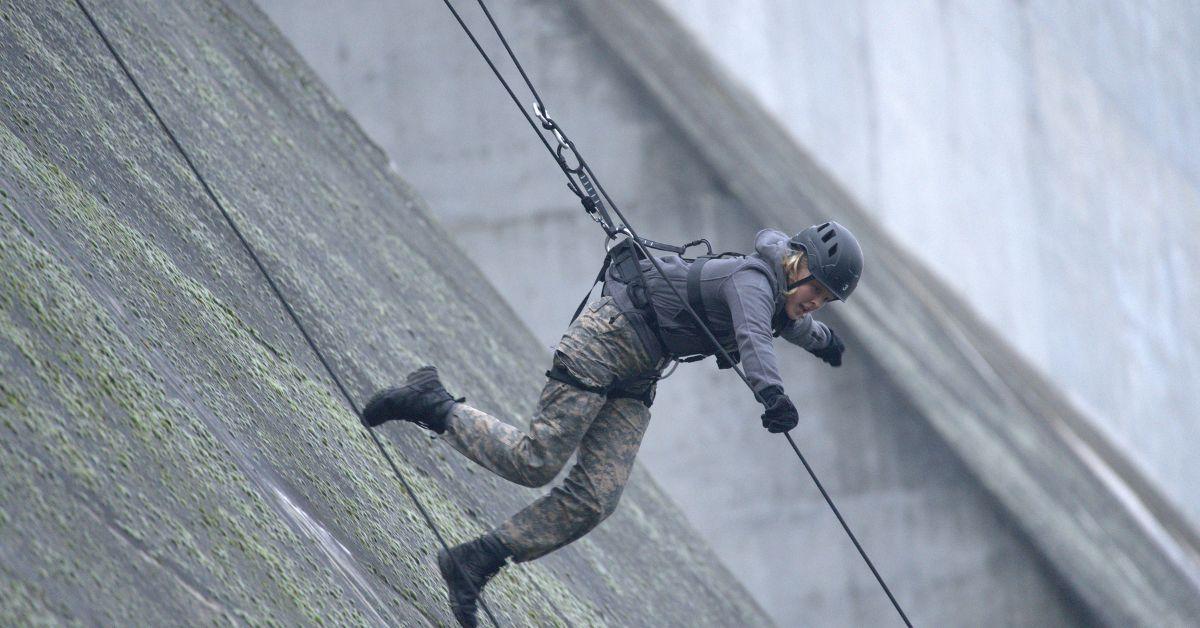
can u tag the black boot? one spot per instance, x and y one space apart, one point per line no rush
479 560
421 400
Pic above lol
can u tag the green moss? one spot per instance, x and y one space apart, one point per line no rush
95 366
157 401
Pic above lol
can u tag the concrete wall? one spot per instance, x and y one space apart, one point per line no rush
1037 155
410 77
173 449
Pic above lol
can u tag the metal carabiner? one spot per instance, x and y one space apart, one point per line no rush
609 241
549 124
542 115
670 371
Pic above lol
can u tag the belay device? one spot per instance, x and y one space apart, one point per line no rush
627 253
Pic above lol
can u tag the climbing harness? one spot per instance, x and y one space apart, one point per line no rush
582 181
208 191
616 390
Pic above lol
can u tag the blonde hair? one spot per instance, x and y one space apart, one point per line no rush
796 266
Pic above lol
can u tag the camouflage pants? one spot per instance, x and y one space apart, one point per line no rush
601 349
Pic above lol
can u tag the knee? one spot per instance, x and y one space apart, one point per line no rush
540 473
609 504
601 508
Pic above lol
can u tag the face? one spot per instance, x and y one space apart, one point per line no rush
807 299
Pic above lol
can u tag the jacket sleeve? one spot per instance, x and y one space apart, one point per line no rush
806 333
751 304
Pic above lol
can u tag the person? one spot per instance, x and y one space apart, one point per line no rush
603 379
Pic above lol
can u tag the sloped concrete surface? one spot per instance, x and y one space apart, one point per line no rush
172 451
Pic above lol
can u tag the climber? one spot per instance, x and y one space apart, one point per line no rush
603 379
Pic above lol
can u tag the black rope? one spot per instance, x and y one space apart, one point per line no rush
274 288
577 180
846 527
533 90
628 229
511 94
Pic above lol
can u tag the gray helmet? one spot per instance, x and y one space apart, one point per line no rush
834 257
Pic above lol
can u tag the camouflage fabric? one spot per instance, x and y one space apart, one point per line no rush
602 350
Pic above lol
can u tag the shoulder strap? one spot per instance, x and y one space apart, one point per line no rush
779 321
599 278
693 289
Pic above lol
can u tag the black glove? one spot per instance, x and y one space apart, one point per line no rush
832 353
780 414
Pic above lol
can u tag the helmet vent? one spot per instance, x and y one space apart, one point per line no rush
828 236
823 227
833 250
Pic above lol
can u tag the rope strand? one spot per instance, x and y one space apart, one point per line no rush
517 101
846 527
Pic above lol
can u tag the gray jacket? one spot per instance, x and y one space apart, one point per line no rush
742 298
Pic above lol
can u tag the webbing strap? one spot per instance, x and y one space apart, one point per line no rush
615 391
599 278
592 203
560 374
695 299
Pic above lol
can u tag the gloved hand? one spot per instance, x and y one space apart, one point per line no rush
780 414
832 353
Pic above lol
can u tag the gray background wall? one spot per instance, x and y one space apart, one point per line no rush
1038 155
957 123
